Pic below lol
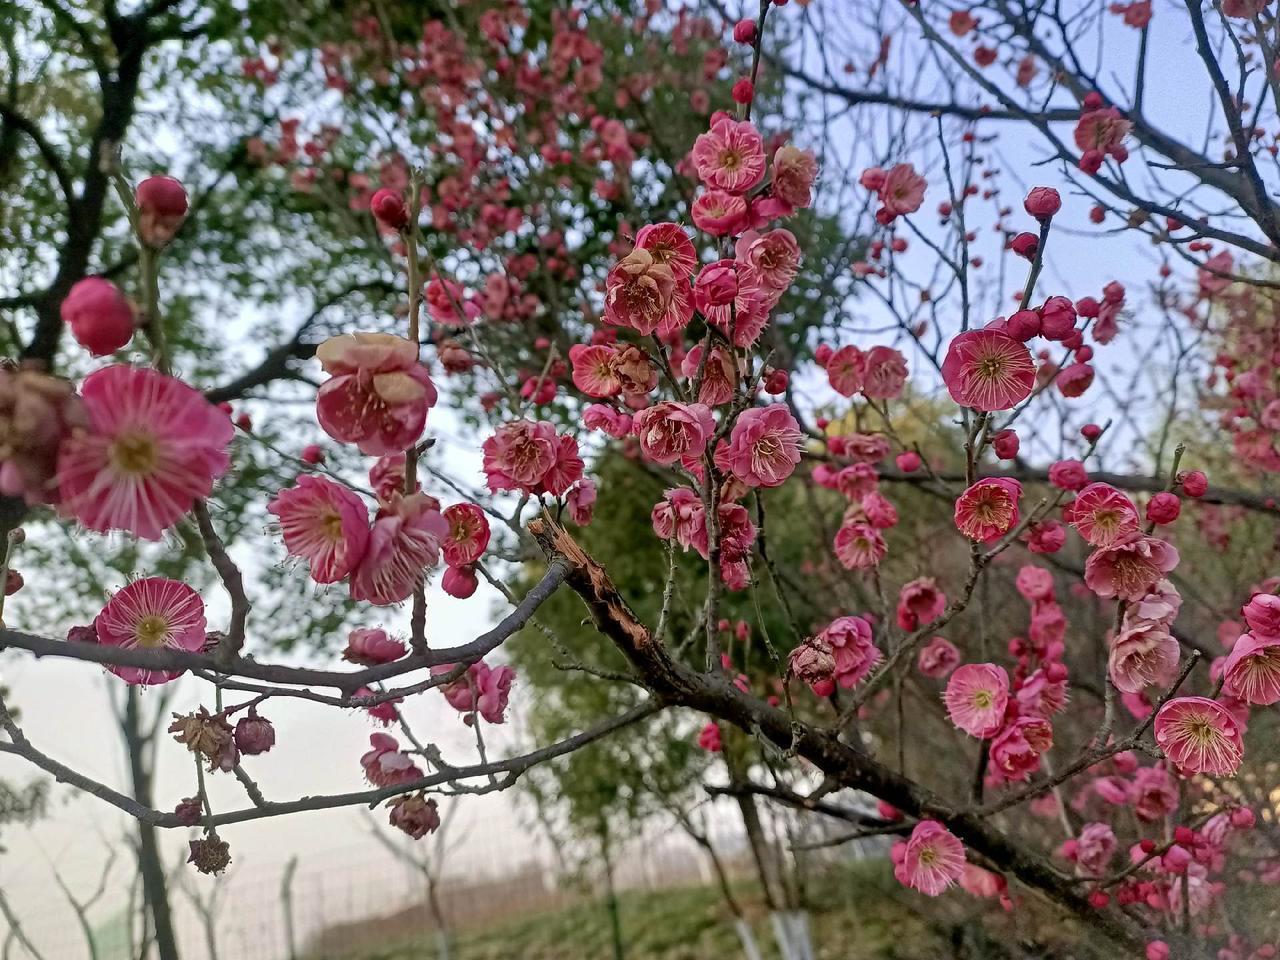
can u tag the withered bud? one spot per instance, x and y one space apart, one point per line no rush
415 815
208 735
188 811
255 734
813 661
210 854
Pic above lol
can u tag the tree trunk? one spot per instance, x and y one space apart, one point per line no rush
155 891
761 851
443 940
611 895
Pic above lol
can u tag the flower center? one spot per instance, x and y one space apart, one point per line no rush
134 453
1201 731
991 368
730 159
331 526
928 857
982 699
1107 520
151 631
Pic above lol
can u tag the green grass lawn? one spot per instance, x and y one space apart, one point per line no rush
858 913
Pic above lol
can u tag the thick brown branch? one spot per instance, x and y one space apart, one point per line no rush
711 693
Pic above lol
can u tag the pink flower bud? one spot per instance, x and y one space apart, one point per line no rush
99 315
1242 818
388 208
1164 508
908 461
312 453
1194 483
162 206
1042 203
1091 432
743 91
1023 325
1157 949
776 382
1005 443
744 31
460 582
1025 245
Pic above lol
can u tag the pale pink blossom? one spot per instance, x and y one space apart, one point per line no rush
151 614
1142 654
370 646
773 258
669 431
982 883
638 292
764 446
1095 848
378 393
720 213
1199 735
593 371
1252 670
325 524
1016 749
794 171
901 191
884 373
988 370
852 646
385 764
403 544
730 156
153 446
859 546
1102 514
1034 583
528 455
976 697
1130 567
938 658
920 602
932 859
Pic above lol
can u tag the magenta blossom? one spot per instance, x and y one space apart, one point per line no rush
480 690
988 370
